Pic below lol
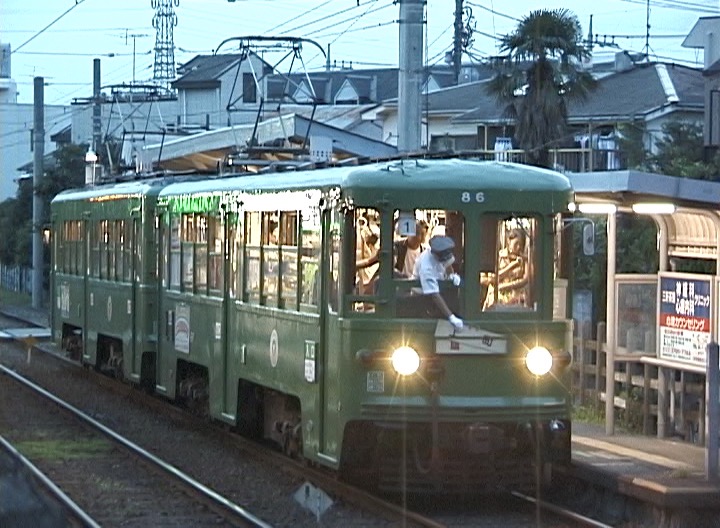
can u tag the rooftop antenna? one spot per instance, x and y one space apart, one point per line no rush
164 21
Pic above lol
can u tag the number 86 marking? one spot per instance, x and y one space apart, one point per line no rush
467 197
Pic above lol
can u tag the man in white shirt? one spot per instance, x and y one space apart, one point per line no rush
433 264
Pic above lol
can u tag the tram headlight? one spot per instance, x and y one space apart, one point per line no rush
405 360
539 360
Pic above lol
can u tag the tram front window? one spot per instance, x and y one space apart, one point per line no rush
414 232
506 280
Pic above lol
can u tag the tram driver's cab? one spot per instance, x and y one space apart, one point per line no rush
496 251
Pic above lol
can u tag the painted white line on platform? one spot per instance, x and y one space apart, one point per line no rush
633 453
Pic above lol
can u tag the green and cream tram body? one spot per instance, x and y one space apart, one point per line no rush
104 275
256 309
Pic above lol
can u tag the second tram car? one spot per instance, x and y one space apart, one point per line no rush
284 304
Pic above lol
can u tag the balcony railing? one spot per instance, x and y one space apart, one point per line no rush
564 159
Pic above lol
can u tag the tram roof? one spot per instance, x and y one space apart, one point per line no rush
123 189
397 174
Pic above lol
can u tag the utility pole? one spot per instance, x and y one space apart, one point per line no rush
38 260
458 41
134 36
97 108
410 75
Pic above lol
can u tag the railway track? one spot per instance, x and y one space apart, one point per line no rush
113 480
352 507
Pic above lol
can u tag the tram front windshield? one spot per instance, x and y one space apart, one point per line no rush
494 254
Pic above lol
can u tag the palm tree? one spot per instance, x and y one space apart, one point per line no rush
541 70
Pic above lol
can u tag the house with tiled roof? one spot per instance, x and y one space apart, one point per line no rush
468 117
704 35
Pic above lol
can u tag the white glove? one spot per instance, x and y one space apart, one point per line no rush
456 322
455 278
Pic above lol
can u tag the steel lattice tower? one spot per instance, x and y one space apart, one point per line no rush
164 21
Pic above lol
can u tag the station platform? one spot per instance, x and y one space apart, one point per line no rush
665 472
668 473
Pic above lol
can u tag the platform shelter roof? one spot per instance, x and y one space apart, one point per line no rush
692 226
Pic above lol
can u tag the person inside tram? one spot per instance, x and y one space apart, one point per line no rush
513 273
366 256
434 264
407 250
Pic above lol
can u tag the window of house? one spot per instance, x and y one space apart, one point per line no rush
249 88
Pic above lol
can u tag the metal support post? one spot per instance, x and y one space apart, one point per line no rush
712 422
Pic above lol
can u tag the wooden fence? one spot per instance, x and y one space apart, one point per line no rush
641 388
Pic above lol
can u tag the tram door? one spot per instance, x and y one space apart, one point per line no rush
330 339
89 263
135 237
164 315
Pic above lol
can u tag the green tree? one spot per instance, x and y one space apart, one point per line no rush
541 70
16 213
680 153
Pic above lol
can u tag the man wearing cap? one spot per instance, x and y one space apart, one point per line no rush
435 263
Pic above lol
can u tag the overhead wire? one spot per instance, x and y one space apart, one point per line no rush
77 3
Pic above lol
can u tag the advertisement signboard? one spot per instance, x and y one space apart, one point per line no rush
684 317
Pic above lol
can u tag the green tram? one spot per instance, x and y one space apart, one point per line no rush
282 304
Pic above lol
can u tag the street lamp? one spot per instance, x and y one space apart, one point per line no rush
91 162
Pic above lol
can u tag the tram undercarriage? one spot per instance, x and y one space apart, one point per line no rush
458 458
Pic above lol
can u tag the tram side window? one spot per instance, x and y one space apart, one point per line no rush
216 239
95 238
111 249
175 248
200 244
80 248
270 258
104 237
509 285
235 232
66 248
367 264
120 249
128 243
70 255
335 244
310 245
252 257
288 241
187 234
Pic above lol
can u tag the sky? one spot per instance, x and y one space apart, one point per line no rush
58 39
